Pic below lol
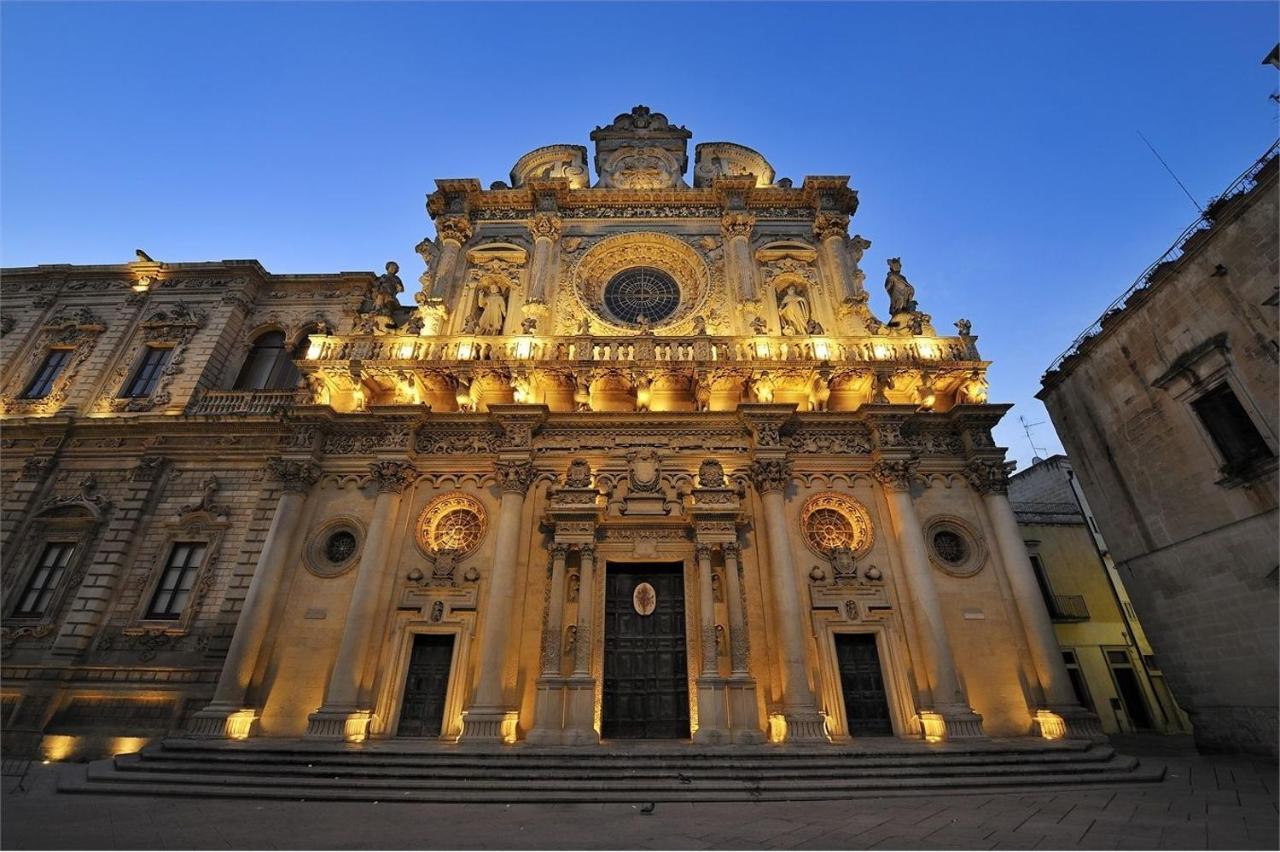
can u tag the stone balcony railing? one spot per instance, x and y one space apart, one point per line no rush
879 351
247 402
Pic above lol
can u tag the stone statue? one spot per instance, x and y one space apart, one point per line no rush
964 327
699 325
814 327
385 289
794 312
584 327
757 324
493 310
902 296
529 325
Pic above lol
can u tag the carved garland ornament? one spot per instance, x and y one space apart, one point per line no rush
833 520
673 257
454 522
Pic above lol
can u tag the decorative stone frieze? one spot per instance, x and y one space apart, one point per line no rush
546 226
828 225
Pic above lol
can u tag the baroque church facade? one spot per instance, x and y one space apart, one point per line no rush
641 461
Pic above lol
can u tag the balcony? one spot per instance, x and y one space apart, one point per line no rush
1069 608
259 403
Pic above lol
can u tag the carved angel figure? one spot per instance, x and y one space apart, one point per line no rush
492 312
794 312
902 296
385 289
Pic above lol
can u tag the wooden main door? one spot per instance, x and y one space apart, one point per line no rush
646 687
866 706
425 687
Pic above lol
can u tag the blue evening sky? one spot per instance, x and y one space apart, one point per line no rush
994 145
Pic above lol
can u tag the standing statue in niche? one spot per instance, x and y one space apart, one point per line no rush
902 296
794 312
493 310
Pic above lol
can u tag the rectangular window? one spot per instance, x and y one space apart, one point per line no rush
180 571
1077 680
1042 580
42 383
1230 427
45 579
147 376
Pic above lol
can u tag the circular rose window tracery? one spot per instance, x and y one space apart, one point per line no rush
628 275
832 520
454 522
641 292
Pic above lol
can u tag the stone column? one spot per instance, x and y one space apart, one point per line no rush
453 231
344 715
227 715
548 718
488 719
713 710
744 710
804 723
948 713
581 687
831 229
736 230
1063 715
545 230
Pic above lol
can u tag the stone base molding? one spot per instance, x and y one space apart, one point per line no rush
744 711
339 724
224 721
1072 723
951 723
805 726
549 709
580 704
713 712
482 725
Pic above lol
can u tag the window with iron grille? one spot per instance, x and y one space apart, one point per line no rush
42 383
147 376
44 580
171 595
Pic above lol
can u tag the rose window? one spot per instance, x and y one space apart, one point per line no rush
340 547
455 522
829 521
641 292
829 529
458 530
950 547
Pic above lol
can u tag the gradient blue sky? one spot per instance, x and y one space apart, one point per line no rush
994 145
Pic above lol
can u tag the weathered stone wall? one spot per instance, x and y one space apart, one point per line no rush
1197 547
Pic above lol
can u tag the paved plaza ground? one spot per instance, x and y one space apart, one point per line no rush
1219 802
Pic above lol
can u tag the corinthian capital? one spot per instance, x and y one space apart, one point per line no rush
391 477
770 474
736 225
827 225
895 473
545 225
456 228
514 477
296 476
989 476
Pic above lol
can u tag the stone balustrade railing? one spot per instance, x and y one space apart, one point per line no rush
247 402
888 351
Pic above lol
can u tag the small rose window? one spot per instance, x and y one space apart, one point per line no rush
834 520
459 530
455 522
950 547
340 547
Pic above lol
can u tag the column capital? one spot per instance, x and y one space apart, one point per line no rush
770 474
736 225
989 476
514 477
559 550
703 551
731 549
587 551
392 477
828 225
454 229
895 473
545 226
295 475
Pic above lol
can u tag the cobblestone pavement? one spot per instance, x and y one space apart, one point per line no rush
1204 803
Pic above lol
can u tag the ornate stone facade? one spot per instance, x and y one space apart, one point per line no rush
483 465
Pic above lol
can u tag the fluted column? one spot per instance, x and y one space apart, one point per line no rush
227 715
948 713
831 229
488 715
453 231
799 709
736 230
580 728
1062 715
343 715
545 230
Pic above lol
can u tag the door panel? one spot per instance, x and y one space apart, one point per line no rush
646 688
862 682
426 684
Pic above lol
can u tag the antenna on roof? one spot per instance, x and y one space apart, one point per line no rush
1036 456
1172 175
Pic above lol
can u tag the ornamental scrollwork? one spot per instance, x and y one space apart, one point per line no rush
828 225
546 226
514 477
457 229
770 474
77 330
989 476
736 225
392 477
294 476
895 473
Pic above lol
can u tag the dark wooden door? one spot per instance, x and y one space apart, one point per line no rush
865 703
422 710
646 687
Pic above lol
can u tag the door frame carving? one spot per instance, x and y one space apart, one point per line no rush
902 709
391 695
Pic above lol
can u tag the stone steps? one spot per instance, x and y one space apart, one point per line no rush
384 772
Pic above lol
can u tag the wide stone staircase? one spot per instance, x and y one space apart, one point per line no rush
408 771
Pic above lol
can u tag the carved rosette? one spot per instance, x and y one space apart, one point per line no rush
770 474
295 476
736 225
895 473
545 226
989 476
514 477
454 228
828 225
391 477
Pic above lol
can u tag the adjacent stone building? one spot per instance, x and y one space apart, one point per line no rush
1168 410
640 461
1112 666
